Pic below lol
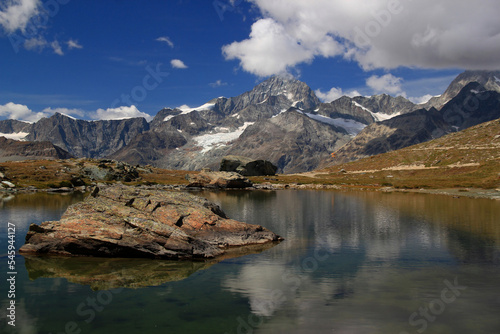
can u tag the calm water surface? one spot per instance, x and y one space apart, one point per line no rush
350 263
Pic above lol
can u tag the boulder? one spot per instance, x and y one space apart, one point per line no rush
246 166
123 221
8 184
109 170
218 180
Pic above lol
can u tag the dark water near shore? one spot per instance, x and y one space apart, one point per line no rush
350 263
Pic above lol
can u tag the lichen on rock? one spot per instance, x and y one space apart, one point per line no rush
124 221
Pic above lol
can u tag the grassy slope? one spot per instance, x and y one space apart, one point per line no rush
469 158
55 173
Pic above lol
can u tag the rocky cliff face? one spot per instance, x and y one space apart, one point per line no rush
289 92
13 126
23 150
292 141
201 137
93 139
471 106
398 132
382 105
346 107
490 80
367 110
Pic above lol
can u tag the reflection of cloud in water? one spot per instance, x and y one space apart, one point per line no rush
267 285
329 241
368 284
380 300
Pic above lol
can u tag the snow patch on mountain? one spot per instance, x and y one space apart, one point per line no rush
379 117
376 115
282 111
362 107
66 115
351 126
214 140
186 109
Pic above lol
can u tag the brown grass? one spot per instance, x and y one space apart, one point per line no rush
470 158
44 174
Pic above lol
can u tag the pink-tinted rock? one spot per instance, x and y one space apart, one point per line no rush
122 221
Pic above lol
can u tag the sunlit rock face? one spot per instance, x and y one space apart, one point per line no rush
122 221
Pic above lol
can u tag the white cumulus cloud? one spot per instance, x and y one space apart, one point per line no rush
376 34
122 112
177 63
15 14
421 99
386 84
334 94
274 49
20 112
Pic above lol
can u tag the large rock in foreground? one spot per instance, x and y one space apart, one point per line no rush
246 166
121 221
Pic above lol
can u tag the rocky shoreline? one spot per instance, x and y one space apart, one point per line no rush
81 175
455 192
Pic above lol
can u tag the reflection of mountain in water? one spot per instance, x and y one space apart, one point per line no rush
363 249
24 209
41 200
467 228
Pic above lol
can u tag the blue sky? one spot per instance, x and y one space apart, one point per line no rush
98 59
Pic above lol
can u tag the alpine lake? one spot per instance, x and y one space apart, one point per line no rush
351 263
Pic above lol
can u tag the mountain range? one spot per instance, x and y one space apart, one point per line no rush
280 120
